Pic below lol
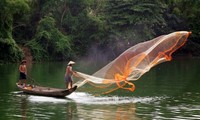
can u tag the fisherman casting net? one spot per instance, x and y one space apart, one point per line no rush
137 60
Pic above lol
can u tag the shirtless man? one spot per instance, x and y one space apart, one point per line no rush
68 75
23 72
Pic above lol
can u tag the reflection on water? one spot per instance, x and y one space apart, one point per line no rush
99 112
83 105
80 105
38 107
71 111
23 108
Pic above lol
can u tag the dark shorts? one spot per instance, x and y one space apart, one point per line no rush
68 79
22 76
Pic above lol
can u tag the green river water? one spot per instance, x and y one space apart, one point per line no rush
169 91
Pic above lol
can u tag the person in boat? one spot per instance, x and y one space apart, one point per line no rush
22 73
68 75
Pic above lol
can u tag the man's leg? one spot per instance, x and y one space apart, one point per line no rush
67 84
24 82
70 85
20 82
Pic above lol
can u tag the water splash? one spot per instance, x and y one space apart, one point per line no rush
85 98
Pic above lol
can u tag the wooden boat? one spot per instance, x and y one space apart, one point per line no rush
46 91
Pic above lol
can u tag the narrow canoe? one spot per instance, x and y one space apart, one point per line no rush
46 91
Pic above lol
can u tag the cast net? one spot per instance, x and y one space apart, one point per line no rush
135 61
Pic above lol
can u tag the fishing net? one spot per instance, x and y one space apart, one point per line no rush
134 62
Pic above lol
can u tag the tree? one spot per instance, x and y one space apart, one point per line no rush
184 15
9 10
141 17
132 21
49 42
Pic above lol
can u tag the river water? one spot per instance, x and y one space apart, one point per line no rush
169 91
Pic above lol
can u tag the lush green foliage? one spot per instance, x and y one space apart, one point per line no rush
49 41
138 17
9 10
61 29
184 15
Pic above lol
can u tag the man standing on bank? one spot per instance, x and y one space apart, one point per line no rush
68 74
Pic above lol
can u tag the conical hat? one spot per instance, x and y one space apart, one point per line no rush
23 61
71 62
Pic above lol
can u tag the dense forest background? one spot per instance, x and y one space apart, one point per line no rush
44 30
